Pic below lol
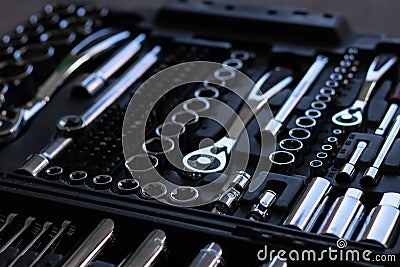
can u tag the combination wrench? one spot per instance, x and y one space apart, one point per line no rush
352 116
71 123
12 122
213 158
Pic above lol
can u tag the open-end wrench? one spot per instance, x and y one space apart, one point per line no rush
371 175
301 89
213 158
97 43
353 115
394 99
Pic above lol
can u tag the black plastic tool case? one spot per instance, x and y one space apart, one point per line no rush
191 31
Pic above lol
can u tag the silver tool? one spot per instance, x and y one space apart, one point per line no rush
27 224
371 175
318 105
309 207
276 262
10 218
77 177
380 224
45 228
38 162
73 123
154 190
316 168
81 53
65 225
261 209
199 160
347 171
148 252
344 215
394 99
232 194
301 89
54 172
102 181
353 116
127 186
197 105
313 113
92 245
282 161
306 122
96 80
207 91
293 146
184 194
209 256
188 118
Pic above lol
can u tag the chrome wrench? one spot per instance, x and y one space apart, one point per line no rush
353 116
371 174
11 124
37 162
199 161
71 123
301 89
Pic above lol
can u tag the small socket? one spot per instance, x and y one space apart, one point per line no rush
102 181
77 177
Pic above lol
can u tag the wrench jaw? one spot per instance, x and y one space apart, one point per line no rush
206 160
70 124
350 118
11 127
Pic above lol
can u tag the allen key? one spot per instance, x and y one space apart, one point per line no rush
209 256
371 175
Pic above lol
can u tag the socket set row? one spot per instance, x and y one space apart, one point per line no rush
261 141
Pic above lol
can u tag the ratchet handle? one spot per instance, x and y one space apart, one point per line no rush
395 97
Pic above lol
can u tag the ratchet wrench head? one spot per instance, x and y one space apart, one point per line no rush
353 116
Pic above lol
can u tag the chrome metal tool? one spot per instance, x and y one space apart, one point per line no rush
353 116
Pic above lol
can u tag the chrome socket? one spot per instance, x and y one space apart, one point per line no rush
309 207
154 190
344 215
206 92
381 222
295 147
54 172
317 168
261 209
77 177
303 135
142 166
127 186
346 173
282 161
184 194
102 181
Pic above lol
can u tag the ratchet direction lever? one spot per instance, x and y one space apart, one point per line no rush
213 158
353 116
11 122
